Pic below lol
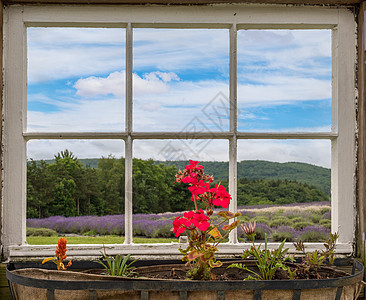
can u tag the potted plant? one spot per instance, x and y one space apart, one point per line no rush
273 274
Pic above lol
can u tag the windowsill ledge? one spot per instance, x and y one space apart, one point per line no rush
147 251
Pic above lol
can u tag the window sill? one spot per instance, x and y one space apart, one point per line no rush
147 251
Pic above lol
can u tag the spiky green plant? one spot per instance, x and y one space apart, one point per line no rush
118 265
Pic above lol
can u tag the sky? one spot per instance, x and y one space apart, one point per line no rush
76 82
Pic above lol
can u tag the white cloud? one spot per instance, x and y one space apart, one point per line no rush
150 106
315 152
95 86
281 89
296 51
150 83
181 49
100 115
161 103
47 149
201 150
61 53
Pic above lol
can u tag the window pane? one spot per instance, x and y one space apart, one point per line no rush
76 79
74 186
284 185
156 199
284 80
179 75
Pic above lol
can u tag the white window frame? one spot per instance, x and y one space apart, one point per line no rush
233 17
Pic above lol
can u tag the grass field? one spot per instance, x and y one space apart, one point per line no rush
107 239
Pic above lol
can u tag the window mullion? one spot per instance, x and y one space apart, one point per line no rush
128 143
233 237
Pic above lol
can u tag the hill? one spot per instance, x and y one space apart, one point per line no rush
260 169
253 170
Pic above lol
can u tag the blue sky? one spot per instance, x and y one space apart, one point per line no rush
76 79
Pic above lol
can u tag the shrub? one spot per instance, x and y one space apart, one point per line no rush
261 230
323 210
293 214
325 223
301 225
163 232
244 219
90 232
279 212
314 234
117 231
315 218
247 213
30 231
260 219
279 221
327 215
282 233
40 232
297 219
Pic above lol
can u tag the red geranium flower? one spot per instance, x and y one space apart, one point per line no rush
222 197
179 225
199 188
194 165
190 180
189 215
200 220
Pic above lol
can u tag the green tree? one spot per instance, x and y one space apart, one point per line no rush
111 173
64 203
39 189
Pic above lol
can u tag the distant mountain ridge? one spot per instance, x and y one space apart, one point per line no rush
255 169
261 169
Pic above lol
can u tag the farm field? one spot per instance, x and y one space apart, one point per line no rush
309 222
104 239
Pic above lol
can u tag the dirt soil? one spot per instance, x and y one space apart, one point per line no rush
222 273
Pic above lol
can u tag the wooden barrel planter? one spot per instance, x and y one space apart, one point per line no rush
27 282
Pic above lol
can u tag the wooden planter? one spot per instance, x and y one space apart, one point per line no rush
34 283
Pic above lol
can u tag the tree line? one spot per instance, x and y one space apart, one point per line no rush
261 169
67 187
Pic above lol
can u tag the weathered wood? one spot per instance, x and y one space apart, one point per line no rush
361 155
1 105
128 141
34 283
182 135
180 2
233 153
148 251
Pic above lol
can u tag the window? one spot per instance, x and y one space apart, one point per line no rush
231 27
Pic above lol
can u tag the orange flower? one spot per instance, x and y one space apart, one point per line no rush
60 255
61 249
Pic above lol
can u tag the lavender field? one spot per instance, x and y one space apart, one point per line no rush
309 222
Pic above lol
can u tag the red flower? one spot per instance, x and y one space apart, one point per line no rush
199 188
200 220
190 180
193 165
189 215
179 225
221 196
